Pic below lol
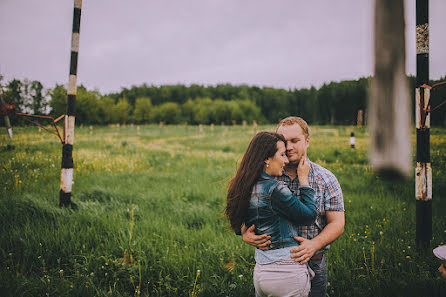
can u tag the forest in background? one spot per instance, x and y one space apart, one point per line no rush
335 103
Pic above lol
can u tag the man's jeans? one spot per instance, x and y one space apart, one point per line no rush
319 282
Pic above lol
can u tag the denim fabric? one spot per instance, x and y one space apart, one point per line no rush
319 282
327 197
273 206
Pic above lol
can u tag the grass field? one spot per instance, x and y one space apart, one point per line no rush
149 219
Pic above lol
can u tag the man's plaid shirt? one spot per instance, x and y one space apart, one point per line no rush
327 197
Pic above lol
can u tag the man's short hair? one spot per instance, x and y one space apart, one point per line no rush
289 121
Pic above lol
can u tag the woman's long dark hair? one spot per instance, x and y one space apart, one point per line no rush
261 147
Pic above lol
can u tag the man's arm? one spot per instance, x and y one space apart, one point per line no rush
307 247
258 241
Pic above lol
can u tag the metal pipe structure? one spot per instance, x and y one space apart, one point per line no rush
7 122
423 170
66 176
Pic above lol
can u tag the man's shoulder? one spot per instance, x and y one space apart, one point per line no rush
322 172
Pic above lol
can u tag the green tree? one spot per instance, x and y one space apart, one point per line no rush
87 106
168 112
105 110
38 104
142 110
223 111
58 101
121 111
249 111
204 111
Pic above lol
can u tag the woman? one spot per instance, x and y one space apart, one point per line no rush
255 197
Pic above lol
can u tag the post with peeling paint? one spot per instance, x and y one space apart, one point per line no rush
66 177
389 109
423 170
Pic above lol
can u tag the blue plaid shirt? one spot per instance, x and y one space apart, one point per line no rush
327 197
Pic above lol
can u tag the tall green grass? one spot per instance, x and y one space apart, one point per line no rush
149 219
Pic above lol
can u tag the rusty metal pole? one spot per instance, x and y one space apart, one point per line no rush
423 170
7 122
66 176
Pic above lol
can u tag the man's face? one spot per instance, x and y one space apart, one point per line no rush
296 142
442 269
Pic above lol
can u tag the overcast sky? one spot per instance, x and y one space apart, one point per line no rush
282 43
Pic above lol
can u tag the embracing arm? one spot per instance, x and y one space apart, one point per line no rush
289 206
330 233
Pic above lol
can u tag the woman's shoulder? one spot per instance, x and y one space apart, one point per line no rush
267 183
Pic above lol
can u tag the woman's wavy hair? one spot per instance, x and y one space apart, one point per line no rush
261 147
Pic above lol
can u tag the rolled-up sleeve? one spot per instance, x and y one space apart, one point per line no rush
333 198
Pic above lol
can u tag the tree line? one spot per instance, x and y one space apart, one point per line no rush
333 103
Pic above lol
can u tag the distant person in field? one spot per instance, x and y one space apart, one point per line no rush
314 240
258 200
440 253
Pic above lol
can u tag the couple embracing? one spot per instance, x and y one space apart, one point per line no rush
289 208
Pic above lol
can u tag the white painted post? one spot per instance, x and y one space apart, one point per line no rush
389 105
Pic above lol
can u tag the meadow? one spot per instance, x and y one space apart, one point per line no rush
149 218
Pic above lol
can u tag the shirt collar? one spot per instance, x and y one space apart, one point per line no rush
265 175
311 170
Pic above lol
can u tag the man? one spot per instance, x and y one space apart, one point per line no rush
440 253
314 240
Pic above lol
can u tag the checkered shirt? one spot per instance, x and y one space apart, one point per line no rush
327 197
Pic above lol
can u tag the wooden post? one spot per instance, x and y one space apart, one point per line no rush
360 118
66 177
423 170
389 105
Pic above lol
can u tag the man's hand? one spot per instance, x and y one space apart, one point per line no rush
303 171
330 233
258 241
304 251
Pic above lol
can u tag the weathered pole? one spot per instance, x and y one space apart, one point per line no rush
66 176
423 170
7 122
389 109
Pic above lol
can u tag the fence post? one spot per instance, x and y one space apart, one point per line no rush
423 170
66 177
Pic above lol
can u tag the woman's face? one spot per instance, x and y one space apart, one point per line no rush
277 162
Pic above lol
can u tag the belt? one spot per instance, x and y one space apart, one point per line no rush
318 256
